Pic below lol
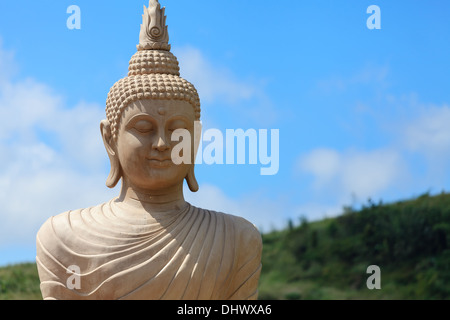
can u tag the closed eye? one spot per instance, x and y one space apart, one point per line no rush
143 126
177 124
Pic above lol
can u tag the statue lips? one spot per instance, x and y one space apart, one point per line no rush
160 162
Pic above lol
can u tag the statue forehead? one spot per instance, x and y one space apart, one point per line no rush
160 107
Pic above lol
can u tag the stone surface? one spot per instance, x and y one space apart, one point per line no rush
149 243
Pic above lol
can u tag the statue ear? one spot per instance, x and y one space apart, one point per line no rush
116 171
191 180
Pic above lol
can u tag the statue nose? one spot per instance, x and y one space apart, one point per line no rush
161 145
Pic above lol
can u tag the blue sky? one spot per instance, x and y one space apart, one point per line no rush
361 113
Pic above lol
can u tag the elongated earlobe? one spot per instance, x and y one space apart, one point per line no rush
115 174
191 180
116 171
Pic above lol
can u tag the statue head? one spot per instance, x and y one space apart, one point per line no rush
144 108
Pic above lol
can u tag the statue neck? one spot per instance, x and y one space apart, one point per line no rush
155 203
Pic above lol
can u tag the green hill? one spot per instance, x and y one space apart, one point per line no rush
408 240
328 259
19 282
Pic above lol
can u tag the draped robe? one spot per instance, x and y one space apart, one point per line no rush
194 254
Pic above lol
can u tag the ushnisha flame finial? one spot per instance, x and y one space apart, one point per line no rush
154 34
153 72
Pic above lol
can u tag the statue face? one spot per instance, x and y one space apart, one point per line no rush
144 143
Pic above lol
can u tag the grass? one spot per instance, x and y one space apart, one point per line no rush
20 282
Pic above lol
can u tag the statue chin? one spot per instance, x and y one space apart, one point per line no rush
149 243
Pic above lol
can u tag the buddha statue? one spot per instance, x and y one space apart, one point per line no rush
149 243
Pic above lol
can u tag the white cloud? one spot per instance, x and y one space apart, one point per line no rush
316 211
216 83
368 75
213 83
429 132
29 109
368 173
415 156
265 214
51 157
79 128
324 164
29 198
364 174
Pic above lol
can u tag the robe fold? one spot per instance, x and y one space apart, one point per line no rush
194 254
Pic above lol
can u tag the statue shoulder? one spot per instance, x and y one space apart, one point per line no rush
53 232
247 232
247 235
247 259
57 230
51 225
55 223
